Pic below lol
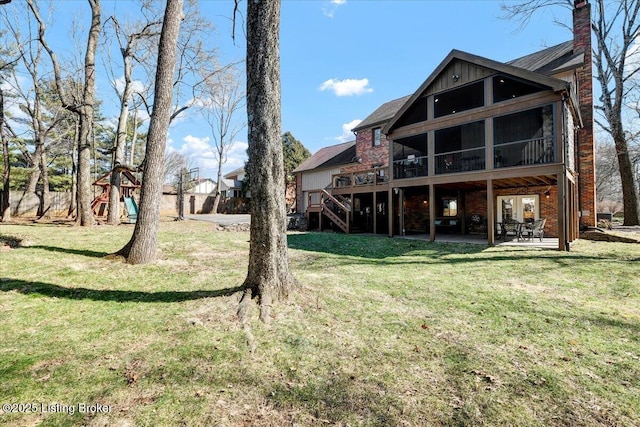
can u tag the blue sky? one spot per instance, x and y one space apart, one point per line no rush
342 59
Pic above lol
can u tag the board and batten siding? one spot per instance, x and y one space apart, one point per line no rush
316 180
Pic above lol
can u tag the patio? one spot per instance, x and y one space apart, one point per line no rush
477 239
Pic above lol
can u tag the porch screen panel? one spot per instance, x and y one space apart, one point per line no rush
461 99
506 88
410 157
415 114
524 138
460 148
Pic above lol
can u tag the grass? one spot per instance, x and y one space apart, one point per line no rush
383 332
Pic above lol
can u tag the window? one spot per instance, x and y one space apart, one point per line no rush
377 133
449 207
457 100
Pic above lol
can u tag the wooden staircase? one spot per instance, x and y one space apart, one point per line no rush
339 213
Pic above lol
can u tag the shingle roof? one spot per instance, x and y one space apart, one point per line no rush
235 172
333 155
382 114
548 61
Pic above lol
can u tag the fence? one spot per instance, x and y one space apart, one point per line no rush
57 204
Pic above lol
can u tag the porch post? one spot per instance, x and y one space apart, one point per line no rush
562 211
321 212
432 213
374 212
350 214
401 210
390 210
491 214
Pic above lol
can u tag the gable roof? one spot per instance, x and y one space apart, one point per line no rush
334 155
380 116
552 83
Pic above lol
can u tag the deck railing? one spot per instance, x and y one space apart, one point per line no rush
460 161
410 167
375 176
524 152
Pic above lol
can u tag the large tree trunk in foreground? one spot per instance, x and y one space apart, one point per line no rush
268 277
142 246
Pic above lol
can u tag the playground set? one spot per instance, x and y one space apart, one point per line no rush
128 185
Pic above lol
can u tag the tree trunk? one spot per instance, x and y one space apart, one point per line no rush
120 145
43 206
216 200
268 277
36 170
142 246
74 176
629 195
5 197
85 216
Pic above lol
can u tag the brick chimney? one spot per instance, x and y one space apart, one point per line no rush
585 141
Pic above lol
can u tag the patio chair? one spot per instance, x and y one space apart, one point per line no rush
510 226
537 229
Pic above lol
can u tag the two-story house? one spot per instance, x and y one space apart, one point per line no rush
478 139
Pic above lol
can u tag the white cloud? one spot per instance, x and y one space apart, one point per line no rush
136 85
201 154
347 87
347 134
330 8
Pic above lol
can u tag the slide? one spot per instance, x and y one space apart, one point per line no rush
132 208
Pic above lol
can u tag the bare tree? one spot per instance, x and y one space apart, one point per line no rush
608 188
616 26
174 165
83 109
196 61
5 197
142 246
128 40
223 102
37 101
268 278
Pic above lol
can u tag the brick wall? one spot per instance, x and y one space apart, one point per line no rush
369 154
299 201
585 141
476 203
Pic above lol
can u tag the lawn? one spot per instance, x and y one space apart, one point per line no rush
382 332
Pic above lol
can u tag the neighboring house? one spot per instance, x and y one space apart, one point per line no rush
203 186
231 184
316 172
478 139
